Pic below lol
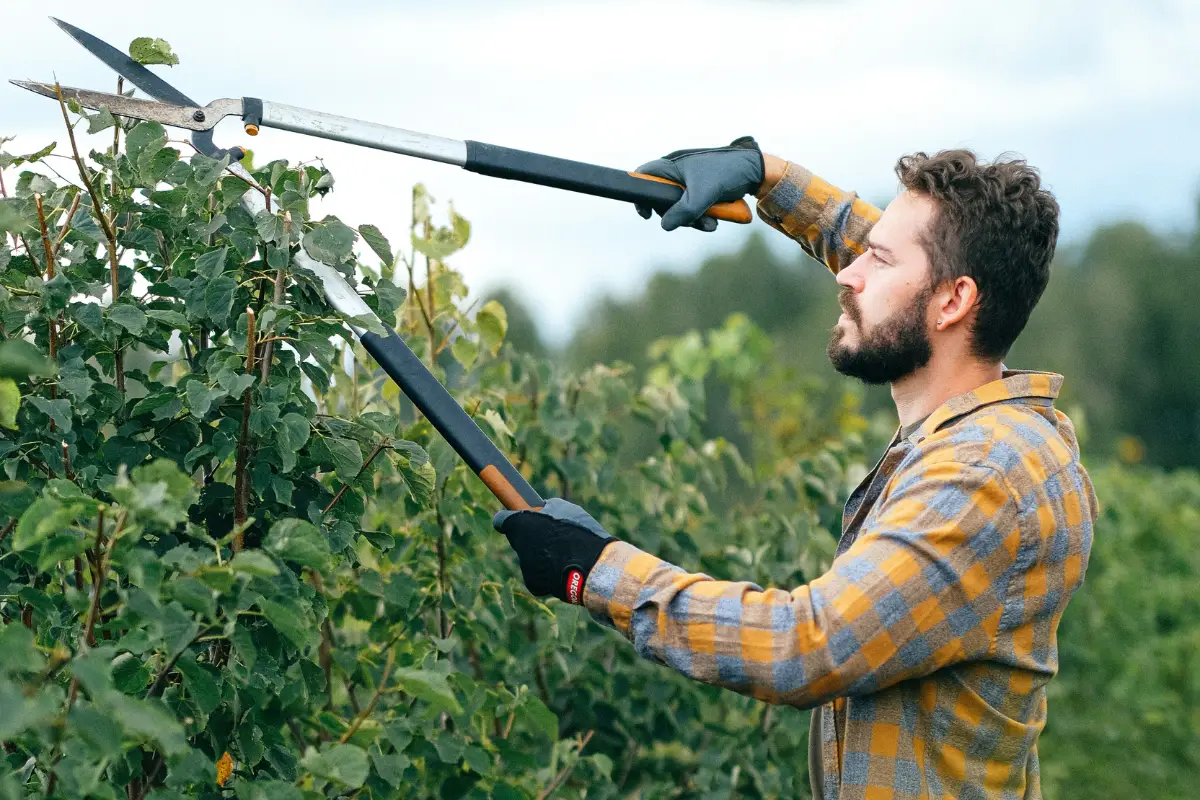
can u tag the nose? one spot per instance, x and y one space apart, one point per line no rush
852 277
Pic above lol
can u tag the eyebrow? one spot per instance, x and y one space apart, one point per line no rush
882 247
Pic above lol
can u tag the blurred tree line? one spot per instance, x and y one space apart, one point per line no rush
1118 319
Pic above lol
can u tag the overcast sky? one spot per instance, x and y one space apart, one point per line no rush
1102 95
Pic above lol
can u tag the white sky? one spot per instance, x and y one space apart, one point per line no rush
1102 95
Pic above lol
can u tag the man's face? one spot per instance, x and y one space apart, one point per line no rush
883 333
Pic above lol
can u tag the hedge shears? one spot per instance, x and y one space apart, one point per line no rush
172 107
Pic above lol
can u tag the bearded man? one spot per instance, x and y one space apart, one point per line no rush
926 648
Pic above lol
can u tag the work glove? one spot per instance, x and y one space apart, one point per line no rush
557 546
712 175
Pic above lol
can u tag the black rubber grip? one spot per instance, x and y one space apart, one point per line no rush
447 416
575 176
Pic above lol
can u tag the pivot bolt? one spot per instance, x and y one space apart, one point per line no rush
198 115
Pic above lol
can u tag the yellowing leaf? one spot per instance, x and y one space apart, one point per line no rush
224 768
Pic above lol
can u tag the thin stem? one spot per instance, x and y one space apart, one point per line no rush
106 226
277 298
565 772
379 448
366 712
241 490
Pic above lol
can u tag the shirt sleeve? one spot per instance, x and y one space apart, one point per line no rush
921 588
829 223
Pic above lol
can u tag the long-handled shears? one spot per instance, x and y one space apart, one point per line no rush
397 360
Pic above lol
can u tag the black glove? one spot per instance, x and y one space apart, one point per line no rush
556 546
712 175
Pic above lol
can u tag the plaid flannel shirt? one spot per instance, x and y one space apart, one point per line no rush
927 646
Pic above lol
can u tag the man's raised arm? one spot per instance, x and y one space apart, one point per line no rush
829 223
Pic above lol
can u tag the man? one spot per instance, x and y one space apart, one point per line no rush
925 650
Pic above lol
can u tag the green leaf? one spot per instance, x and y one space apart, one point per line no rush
90 316
330 241
62 547
10 402
146 720
17 651
291 434
11 219
347 457
20 712
212 263
295 627
378 243
159 493
129 317
251 562
175 319
345 764
201 683
465 351
541 717
200 398
270 227
57 410
218 299
430 687
101 121
144 141
300 541
492 320
147 50
20 359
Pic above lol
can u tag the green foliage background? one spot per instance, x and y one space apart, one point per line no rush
273 563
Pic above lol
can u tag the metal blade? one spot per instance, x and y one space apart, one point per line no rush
189 117
126 67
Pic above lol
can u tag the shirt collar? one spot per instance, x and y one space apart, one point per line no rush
1013 384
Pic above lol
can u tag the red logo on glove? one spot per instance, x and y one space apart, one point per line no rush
575 587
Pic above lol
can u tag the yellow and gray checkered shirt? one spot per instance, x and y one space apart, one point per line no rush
927 646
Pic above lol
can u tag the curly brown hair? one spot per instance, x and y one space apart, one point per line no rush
995 223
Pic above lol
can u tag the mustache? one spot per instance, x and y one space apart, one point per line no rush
850 305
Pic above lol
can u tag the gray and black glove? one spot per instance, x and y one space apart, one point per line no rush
709 175
557 546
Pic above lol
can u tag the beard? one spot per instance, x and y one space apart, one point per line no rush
894 349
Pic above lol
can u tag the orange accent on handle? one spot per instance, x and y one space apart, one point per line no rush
504 491
251 129
738 211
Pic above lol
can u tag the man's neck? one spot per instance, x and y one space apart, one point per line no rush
919 394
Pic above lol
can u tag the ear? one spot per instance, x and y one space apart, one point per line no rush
954 300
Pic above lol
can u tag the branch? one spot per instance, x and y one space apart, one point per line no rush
379 448
565 772
106 226
277 298
241 489
366 712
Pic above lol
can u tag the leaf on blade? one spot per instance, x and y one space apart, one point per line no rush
148 50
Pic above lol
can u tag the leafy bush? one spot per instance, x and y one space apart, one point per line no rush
1124 716
235 562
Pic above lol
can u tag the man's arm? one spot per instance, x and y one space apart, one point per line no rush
922 588
829 223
